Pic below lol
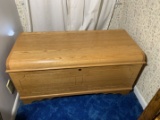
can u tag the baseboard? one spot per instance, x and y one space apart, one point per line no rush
15 107
140 97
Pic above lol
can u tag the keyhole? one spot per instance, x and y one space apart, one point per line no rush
80 69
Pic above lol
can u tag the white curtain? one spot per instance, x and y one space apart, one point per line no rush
63 15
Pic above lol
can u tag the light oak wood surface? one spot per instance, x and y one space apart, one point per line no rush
55 64
67 80
55 50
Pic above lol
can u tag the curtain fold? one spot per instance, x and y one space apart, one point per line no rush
75 14
64 15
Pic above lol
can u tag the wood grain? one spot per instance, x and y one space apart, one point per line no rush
55 64
71 80
158 117
57 50
153 109
30 99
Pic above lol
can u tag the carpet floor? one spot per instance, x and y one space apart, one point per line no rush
85 107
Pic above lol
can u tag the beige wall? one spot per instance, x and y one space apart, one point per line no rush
117 16
140 18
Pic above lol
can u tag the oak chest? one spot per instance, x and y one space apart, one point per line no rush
53 64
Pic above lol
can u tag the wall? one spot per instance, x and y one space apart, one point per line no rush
8 20
117 15
23 14
141 19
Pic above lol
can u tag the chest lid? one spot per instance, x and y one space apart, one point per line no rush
55 50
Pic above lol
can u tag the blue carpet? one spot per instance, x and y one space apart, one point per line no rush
86 107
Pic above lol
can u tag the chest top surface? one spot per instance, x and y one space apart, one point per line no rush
55 50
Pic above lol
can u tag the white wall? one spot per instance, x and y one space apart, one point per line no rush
9 20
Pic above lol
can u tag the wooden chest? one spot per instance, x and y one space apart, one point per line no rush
53 64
